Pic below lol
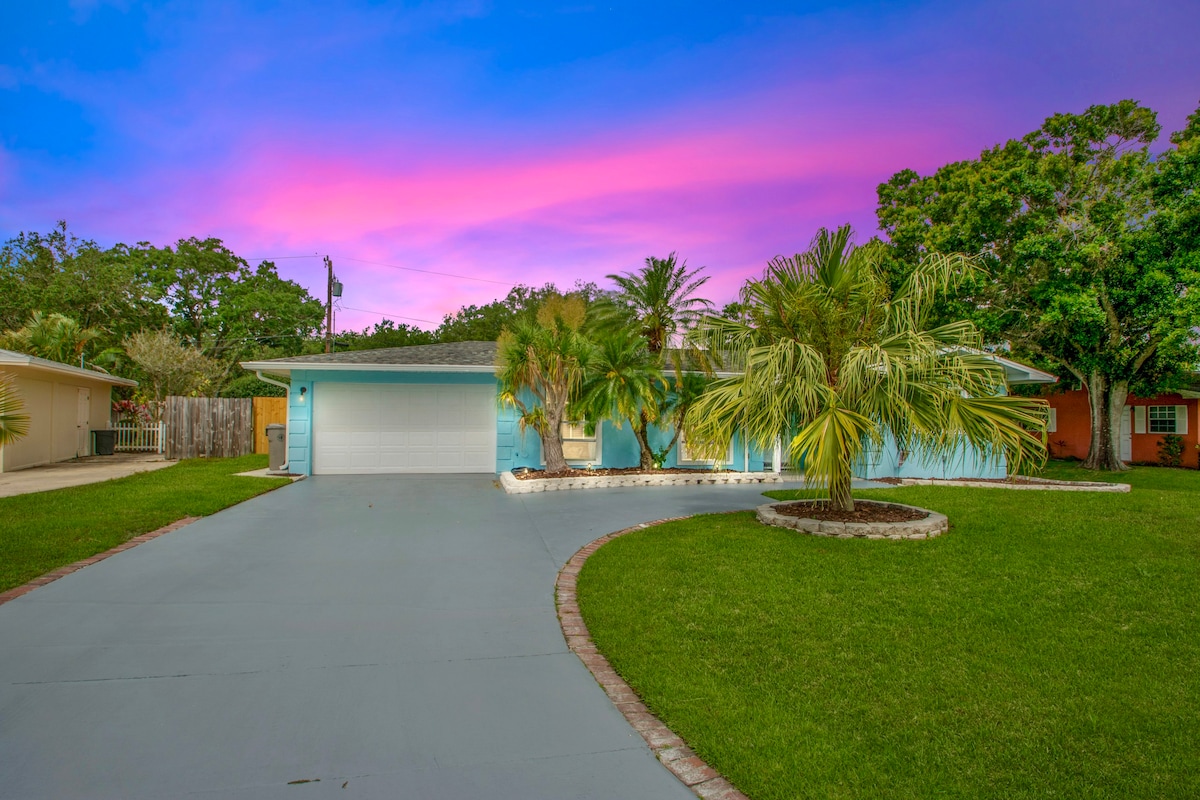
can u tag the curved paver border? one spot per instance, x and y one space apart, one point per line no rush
668 748
934 524
514 485
61 572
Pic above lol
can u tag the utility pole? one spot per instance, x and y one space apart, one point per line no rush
329 306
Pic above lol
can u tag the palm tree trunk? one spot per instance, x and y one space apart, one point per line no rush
840 496
641 430
552 445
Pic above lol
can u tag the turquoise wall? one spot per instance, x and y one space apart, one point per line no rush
618 446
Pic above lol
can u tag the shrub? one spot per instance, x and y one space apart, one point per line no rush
1170 450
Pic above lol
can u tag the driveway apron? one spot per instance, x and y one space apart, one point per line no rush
365 636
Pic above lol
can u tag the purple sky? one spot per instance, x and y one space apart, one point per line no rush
530 143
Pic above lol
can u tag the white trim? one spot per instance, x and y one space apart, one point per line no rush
1052 422
11 358
286 368
1181 420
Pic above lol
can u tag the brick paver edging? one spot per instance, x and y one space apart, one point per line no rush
676 756
50 577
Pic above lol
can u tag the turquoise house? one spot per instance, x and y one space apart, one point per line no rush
434 409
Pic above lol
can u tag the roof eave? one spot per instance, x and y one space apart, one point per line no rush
286 368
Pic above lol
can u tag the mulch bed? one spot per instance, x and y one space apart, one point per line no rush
864 511
1016 479
596 473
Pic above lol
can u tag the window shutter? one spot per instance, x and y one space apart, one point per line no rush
1139 419
1181 419
1052 425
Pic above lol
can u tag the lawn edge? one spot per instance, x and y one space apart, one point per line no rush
55 574
667 746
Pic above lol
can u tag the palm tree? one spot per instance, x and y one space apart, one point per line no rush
625 382
13 424
545 357
660 299
52 336
835 361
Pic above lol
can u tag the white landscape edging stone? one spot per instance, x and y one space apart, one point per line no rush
514 485
933 525
1034 484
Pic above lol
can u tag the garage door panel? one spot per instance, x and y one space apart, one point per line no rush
380 428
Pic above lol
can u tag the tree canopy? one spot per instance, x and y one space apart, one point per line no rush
1088 249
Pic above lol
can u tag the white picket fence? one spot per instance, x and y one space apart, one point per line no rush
135 438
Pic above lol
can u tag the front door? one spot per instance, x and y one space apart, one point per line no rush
1126 438
83 423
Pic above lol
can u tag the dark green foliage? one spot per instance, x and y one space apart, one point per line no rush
1047 646
383 334
484 323
47 530
1170 450
248 385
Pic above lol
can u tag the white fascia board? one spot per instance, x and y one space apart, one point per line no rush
23 360
1030 375
284 368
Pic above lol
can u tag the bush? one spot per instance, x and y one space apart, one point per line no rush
1170 451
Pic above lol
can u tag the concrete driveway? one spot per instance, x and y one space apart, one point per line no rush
77 472
390 637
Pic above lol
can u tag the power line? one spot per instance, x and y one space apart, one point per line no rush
394 266
427 271
388 315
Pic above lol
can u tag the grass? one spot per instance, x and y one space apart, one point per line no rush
1047 646
47 530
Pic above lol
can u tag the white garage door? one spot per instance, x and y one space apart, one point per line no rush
374 428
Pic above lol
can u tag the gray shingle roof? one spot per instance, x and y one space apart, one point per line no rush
450 354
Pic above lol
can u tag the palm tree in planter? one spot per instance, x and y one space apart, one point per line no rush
547 357
835 360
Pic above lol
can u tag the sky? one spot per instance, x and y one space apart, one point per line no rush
502 143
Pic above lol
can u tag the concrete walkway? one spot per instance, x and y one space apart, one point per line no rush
77 472
377 637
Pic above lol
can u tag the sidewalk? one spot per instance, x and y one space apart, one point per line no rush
77 472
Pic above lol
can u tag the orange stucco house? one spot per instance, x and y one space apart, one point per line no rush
1143 424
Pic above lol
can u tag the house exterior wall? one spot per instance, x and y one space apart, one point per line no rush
1073 433
52 403
514 448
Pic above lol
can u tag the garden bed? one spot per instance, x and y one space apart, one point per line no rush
611 479
1015 482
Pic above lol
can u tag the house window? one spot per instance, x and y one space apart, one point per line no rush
689 455
1162 419
578 446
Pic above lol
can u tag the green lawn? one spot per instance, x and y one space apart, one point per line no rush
43 531
1047 646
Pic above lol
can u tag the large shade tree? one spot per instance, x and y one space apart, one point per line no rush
1089 260
834 361
541 363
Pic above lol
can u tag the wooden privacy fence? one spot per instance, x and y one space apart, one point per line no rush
267 410
217 427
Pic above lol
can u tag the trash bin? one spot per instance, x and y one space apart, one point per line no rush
105 442
276 447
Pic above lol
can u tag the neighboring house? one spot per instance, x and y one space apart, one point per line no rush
1144 422
434 408
64 404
